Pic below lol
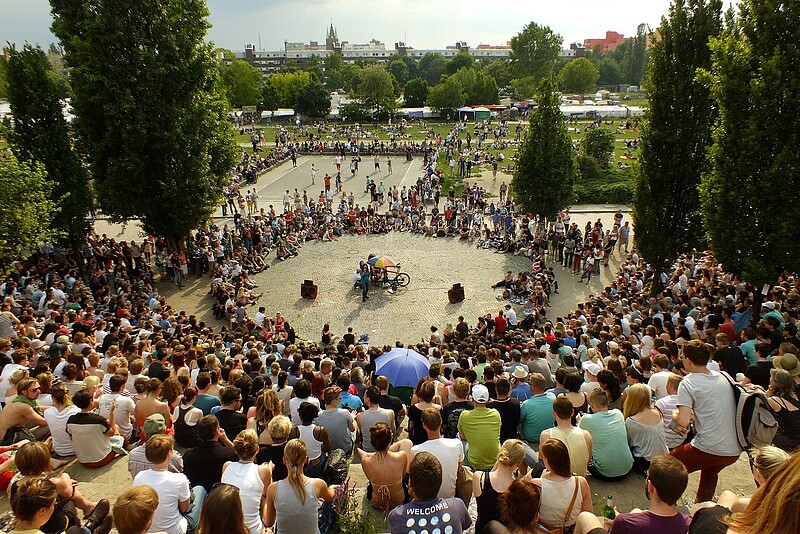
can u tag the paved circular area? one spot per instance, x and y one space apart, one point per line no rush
434 265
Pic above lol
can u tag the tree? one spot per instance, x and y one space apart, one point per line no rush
523 88
634 62
375 87
3 89
287 85
431 67
748 194
149 110
675 138
610 71
314 66
500 70
415 93
460 61
313 100
534 51
478 87
599 144
41 134
242 83
579 75
546 167
270 99
25 208
446 97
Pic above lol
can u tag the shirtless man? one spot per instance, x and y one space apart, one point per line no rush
22 412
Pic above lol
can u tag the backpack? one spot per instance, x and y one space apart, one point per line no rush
451 425
755 424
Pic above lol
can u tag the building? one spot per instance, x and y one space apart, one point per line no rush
610 43
268 61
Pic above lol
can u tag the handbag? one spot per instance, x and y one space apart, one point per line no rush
565 529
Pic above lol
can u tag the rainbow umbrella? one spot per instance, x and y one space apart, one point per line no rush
381 263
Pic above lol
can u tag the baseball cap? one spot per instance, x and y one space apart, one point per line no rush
480 393
592 368
769 304
154 424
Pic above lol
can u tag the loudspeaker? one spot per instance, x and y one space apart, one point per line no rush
455 294
308 289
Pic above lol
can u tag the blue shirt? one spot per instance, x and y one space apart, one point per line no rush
350 402
521 392
536 414
610 452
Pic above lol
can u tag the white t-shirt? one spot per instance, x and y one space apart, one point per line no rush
57 423
172 488
294 405
658 384
8 370
122 413
710 396
450 452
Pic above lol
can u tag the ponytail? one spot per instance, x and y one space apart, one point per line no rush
294 455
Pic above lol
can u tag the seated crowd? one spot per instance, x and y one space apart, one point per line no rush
519 416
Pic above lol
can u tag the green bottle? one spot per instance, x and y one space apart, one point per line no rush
608 509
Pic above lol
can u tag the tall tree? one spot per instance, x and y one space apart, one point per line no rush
748 196
460 61
579 75
415 93
313 100
599 144
478 87
634 62
149 109
242 83
446 97
26 209
500 70
36 94
375 87
546 166
680 117
534 51
431 67
287 85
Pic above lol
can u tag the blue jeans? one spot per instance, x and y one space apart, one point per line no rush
192 515
364 290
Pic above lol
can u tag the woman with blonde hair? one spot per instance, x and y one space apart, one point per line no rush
251 479
564 496
222 512
774 507
15 378
644 426
487 486
293 503
268 405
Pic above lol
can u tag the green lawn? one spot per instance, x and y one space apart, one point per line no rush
418 134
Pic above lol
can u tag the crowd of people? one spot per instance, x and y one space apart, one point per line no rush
249 427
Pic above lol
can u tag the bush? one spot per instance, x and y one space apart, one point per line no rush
612 186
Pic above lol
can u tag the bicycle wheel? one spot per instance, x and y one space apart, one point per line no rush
402 279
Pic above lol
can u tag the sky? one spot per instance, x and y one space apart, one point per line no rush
421 23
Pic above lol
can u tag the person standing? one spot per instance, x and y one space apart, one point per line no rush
313 174
708 396
363 280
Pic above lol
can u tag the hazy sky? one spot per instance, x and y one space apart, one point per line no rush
421 23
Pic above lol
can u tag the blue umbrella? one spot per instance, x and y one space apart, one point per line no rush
403 367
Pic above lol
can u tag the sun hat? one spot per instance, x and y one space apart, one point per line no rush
520 373
480 394
37 344
788 362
